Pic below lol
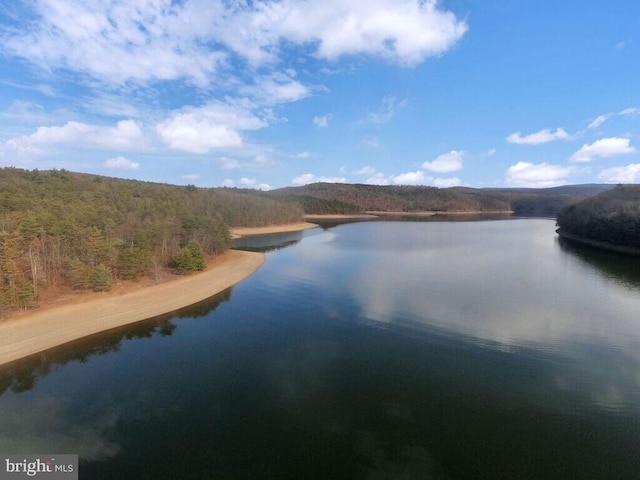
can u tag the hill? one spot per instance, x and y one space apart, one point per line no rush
322 198
610 219
69 230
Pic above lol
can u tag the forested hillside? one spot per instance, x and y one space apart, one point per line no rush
612 217
322 198
541 201
59 228
351 198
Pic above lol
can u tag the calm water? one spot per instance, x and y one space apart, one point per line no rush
373 350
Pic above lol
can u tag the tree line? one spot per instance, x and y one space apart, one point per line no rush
612 216
59 228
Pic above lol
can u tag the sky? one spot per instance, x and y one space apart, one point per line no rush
272 93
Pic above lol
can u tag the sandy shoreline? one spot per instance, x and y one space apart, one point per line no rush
269 229
41 330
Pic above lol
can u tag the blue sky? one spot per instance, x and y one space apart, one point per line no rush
266 94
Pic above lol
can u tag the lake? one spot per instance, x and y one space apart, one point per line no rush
371 350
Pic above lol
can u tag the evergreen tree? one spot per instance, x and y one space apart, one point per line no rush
102 279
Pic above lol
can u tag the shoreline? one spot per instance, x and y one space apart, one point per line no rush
610 247
432 213
37 331
238 232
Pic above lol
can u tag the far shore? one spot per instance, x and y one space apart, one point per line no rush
431 213
237 232
338 216
41 330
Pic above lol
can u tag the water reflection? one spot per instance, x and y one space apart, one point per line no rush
267 243
623 269
21 375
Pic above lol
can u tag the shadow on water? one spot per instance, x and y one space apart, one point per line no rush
21 375
267 243
623 269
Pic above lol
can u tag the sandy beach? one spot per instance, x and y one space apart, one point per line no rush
40 330
288 227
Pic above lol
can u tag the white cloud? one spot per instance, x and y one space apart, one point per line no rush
311 178
155 40
192 176
371 141
121 163
366 170
598 121
541 175
627 174
445 163
229 163
402 31
489 153
322 121
543 136
247 181
228 183
447 182
630 112
604 148
277 88
126 135
159 40
387 110
301 155
377 179
211 127
411 178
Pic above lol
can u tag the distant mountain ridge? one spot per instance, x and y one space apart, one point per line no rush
356 198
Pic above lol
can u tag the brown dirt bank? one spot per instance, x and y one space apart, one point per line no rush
37 331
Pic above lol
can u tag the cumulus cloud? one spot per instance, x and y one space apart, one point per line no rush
402 31
447 182
311 178
214 126
627 174
543 136
604 148
445 163
321 121
541 175
126 135
377 179
410 178
121 163
194 39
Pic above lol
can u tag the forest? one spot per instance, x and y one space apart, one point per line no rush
84 232
325 198
612 216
